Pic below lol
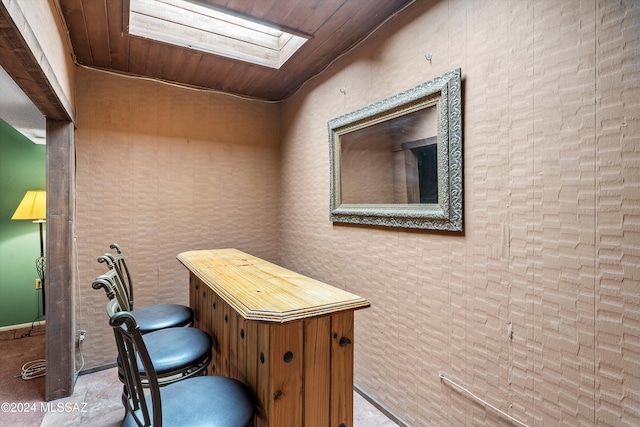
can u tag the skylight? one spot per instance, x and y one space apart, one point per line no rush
187 24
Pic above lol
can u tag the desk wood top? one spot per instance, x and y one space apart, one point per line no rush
262 291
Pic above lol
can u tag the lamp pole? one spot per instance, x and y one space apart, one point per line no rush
41 267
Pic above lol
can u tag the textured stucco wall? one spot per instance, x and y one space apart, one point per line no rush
536 306
162 170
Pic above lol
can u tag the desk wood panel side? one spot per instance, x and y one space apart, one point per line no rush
317 371
215 333
206 323
342 369
242 348
231 318
206 296
263 377
194 289
252 356
221 333
286 358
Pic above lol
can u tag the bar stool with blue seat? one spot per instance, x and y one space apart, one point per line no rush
199 401
176 353
151 317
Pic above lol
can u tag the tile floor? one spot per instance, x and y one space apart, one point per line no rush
96 402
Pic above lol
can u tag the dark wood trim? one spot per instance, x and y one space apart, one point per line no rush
24 60
97 368
60 336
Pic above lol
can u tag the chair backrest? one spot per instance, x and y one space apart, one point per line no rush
120 265
123 270
112 283
131 347
104 282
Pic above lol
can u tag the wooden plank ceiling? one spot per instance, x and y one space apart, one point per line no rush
99 39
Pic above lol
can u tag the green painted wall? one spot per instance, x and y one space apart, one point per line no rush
22 168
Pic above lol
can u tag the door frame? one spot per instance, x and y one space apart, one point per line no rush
23 58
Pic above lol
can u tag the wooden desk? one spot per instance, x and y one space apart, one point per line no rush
287 336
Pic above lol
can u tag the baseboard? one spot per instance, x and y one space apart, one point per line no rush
393 417
98 368
22 325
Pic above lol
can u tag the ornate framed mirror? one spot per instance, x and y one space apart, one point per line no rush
398 162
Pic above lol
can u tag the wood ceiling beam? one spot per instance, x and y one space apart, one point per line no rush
19 54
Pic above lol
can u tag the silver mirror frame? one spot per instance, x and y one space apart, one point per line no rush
444 92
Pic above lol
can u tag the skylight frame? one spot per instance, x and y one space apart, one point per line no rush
194 26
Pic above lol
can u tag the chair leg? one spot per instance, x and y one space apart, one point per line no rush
125 397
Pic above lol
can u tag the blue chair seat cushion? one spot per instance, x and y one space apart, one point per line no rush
203 401
174 349
154 317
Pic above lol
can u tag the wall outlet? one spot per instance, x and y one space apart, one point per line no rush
38 283
82 335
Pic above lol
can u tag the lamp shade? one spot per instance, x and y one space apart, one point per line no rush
33 206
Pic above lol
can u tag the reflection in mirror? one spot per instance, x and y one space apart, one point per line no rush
378 168
399 162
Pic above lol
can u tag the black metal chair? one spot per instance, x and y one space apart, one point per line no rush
152 317
176 353
208 400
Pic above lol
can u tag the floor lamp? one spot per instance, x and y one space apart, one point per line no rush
34 207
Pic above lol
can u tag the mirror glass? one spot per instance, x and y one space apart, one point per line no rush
378 168
399 162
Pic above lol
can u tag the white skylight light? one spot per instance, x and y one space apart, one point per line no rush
191 25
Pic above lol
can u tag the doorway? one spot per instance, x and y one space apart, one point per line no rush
22 176
30 69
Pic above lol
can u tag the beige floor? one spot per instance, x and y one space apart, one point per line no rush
96 402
